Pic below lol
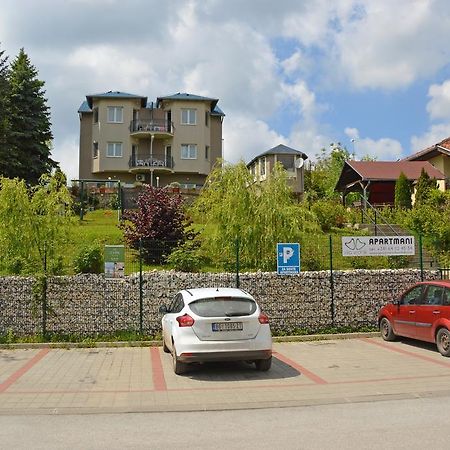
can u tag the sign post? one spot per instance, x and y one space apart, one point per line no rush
288 258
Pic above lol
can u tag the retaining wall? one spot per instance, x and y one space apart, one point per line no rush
89 304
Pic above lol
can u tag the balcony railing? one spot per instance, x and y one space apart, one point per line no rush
153 125
151 162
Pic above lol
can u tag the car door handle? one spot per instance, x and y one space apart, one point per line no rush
436 312
412 312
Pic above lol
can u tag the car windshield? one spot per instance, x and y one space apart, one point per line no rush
223 306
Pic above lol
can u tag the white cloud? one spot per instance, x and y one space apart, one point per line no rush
66 152
439 105
352 133
383 149
246 137
392 44
435 134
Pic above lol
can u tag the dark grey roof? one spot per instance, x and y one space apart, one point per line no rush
115 94
186 96
279 150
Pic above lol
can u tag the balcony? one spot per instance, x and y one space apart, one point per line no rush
150 163
159 128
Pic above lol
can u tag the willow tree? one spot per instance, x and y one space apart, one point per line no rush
236 211
33 224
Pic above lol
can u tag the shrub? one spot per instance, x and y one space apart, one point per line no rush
398 262
329 214
186 257
89 260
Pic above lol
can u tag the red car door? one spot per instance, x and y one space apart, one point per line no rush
405 314
428 312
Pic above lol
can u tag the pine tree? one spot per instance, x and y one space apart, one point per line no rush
30 135
4 90
402 192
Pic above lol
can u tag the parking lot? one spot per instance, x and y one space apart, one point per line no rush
125 379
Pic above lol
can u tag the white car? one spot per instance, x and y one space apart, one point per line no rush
216 324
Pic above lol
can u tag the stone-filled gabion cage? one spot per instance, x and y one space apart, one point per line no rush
90 305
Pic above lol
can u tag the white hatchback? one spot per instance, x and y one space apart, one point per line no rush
215 324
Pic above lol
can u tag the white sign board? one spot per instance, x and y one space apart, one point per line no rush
377 245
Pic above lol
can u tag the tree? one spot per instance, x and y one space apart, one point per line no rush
159 223
425 185
402 192
236 211
29 137
321 178
4 122
33 224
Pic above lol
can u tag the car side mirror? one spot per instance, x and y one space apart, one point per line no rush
163 309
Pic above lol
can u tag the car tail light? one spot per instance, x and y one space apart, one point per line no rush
263 318
185 321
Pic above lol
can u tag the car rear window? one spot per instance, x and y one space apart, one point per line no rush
223 306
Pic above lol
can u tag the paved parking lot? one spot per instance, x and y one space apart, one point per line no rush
57 381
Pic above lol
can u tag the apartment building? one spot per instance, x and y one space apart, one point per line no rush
292 161
176 139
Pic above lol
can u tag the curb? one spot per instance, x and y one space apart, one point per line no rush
158 343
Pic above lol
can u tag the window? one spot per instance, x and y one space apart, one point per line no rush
206 151
287 161
206 118
114 149
188 151
95 115
177 304
188 117
262 166
219 307
115 114
412 297
434 295
95 150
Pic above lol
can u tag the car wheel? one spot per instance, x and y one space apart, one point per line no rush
178 366
263 364
443 341
386 330
165 348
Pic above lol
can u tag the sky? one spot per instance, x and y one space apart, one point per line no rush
373 75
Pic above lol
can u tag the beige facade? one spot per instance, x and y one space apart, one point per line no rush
292 161
122 137
438 155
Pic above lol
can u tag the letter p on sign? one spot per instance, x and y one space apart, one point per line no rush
288 253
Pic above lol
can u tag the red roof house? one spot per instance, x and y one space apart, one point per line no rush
376 179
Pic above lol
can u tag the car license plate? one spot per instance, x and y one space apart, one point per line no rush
227 326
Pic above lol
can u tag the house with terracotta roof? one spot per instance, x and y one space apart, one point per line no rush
376 179
176 139
437 155
292 161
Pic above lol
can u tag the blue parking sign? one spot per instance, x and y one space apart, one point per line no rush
288 258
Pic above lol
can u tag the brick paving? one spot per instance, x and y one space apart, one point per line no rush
132 379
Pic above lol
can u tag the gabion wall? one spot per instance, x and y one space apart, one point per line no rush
87 305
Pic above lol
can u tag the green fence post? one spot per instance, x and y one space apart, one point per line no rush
81 200
421 257
331 281
237 263
44 294
141 296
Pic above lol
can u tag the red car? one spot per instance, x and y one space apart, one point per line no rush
422 312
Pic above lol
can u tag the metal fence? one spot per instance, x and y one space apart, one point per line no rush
329 292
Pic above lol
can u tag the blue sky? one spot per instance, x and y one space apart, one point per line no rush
304 73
